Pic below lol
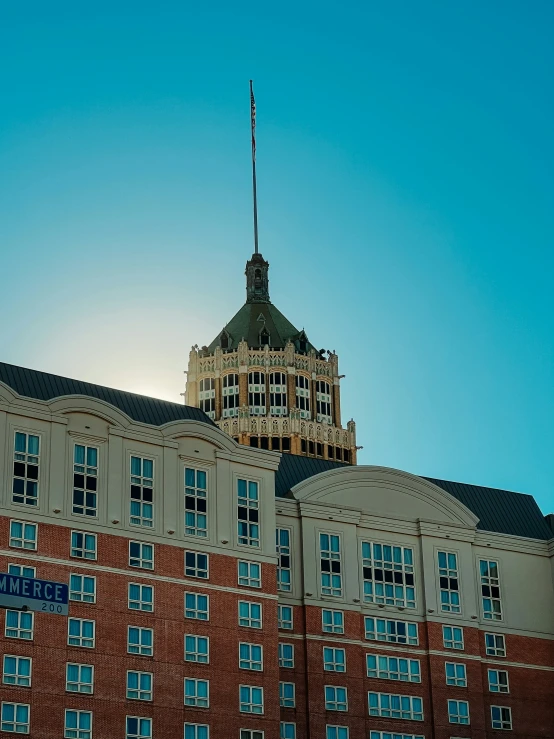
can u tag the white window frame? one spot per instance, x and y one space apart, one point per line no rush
250 662
15 677
330 587
302 392
142 693
195 498
196 727
206 396
286 624
287 730
286 701
139 734
19 570
385 667
251 734
194 700
192 566
286 662
323 395
23 632
141 488
333 731
449 581
250 618
381 592
230 395
451 643
85 642
199 612
81 595
84 551
457 717
89 473
256 388
16 724
278 391
502 724
459 678
27 459
248 706
284 560
332 700
248 513
330 661
496 650
78 732
80 684
142 562
491 592
333 627
140 603
387 629
397 735
249 580
25 541
386 709
497 685
196 655
142 650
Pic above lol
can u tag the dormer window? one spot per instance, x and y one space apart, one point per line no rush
264 337
224 340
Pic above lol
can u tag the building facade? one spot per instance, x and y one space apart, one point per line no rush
221 591
266 385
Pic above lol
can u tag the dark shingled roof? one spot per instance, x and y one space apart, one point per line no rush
500 511
44 386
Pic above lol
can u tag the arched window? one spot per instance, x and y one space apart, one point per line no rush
256 393
278 394
323 401
230 395
207 396
303 395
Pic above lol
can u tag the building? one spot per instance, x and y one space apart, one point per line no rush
266 385
220 591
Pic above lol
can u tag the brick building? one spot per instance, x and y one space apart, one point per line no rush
393 606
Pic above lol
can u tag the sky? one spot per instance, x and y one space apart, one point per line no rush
405 185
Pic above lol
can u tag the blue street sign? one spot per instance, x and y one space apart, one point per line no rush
30 594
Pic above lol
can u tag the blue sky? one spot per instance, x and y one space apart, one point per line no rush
405 182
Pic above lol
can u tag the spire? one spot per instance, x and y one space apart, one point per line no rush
253 127
257 280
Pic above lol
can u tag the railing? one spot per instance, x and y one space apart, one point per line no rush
263 358
266 425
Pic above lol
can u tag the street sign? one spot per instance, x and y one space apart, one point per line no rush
30 594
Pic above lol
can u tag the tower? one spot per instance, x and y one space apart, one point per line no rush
262 381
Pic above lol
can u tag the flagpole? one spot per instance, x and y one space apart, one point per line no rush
254 190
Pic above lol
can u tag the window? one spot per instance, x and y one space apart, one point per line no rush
141 597
458 712
17 671
250 657
83 545
15 718
140 641
455 674
139 685
393 668
395 706
286 655
197 606
384 629
332 622
248 513
250 614
138 728
197 693
498 681
335 698
85 480
283 560
250 574
334 660
251 699
287 730
287 695
495 645
26 469
387 735
23 535
330 562
250 734
196 503
197 731
340 732
196 565
452 637
19 624
82 588
207 396
278 394
449 582
230 395
388 574
501 717
78 724
80 633
303 395
22 570
284 617
142 492
256 393
197 649
490 590
323 401
79 678
141 555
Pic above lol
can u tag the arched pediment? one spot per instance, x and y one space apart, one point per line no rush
179 429
86 404
382 491
7 394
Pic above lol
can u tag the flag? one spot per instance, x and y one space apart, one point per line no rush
253 121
